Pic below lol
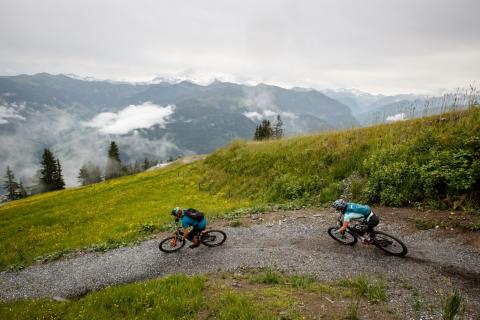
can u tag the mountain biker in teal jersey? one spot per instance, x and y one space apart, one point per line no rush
193 219
354 211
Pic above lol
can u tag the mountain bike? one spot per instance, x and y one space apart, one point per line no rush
380 239
210 238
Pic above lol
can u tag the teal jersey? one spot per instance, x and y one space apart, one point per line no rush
355 211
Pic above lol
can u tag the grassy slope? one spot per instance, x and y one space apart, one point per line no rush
433 160
105 214
423 160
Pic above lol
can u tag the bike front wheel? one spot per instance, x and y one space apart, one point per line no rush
348 238
166 246
213 238
388 243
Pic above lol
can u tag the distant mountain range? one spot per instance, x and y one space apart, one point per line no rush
370 109
78 117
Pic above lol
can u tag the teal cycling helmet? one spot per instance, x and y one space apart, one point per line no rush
175 211
340 204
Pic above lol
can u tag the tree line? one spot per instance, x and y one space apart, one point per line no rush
265 130
50 176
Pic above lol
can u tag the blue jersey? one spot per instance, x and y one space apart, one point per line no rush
355 211
189 222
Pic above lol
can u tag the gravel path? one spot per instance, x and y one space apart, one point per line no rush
295 244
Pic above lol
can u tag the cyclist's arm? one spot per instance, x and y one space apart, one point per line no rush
186 224
343 227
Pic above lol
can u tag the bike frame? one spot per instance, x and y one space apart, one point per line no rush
179 232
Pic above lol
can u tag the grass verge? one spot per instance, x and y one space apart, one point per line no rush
250 294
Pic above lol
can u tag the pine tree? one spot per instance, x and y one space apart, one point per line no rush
83 175
114 165
113 152
10 184
59 182
48 172
51 177
89 173
278 128
264 130
22 193
146 164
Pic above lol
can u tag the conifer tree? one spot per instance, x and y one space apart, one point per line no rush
278 128
146 164
48 172
59 182
114 165
10 184
264 130
89 173
22 192
256 135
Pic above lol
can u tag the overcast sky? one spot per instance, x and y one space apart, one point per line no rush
379 46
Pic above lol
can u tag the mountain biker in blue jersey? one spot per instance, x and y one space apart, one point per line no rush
193 219
354 211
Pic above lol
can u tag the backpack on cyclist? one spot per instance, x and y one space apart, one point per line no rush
194 214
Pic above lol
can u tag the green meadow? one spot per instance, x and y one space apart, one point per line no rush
103 215
428 162
265 295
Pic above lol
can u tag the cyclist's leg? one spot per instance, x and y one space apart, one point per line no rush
193 233
372 223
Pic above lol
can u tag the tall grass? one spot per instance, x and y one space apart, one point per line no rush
452 305
173 297
432 160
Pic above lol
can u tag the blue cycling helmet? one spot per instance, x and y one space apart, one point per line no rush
340 204
175 211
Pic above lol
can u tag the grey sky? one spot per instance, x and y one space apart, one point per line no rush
380 46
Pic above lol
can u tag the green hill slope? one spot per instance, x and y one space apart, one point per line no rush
433 161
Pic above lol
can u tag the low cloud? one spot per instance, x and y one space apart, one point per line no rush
268 114
398 117
254 116
8 113
132 117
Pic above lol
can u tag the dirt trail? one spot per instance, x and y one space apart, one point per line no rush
295 242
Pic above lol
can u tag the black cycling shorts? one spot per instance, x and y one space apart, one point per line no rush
194 232
372 223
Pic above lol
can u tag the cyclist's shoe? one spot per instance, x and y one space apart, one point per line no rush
195 243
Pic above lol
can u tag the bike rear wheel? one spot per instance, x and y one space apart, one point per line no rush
388 243
166 247
213 238
348 238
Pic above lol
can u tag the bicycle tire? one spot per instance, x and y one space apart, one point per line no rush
380 243
164 245
348 243
206 240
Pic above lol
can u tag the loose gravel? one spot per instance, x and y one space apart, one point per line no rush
295 243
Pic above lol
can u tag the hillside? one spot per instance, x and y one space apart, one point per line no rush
425 162
430 161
